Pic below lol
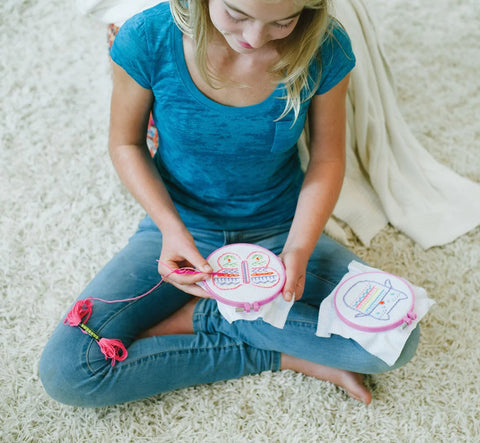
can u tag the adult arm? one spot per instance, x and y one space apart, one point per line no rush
321 186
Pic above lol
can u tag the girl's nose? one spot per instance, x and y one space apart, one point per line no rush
255 35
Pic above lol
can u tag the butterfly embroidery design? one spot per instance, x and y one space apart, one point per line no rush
234 272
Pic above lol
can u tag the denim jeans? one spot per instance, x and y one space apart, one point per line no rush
74 371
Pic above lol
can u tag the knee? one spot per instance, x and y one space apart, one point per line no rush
65 376
409 349
59 378
378 366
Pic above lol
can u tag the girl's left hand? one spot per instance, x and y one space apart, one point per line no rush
295 262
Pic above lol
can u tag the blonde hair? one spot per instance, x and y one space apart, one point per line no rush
297 50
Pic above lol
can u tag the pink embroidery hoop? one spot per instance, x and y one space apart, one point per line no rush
375 301
245 276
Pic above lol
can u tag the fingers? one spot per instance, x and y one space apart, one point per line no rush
295 270
199 263
183 266
294 286
194 289
182 274
289 290
185 278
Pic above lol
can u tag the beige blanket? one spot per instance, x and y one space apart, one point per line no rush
390 177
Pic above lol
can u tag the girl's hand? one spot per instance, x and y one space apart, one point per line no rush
179 251
295 262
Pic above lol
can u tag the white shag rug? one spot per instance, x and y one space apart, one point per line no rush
64 213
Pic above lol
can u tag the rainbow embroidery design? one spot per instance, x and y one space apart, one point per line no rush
245 276
234 272
375 302
374 299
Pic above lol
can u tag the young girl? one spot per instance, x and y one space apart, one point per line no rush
229 84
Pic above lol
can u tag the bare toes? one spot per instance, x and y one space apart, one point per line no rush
353 385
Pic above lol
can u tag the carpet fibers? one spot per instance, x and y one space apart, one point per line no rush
64 213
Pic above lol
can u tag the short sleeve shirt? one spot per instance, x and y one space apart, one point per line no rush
227 168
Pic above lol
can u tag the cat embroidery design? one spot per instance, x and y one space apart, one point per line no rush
370 298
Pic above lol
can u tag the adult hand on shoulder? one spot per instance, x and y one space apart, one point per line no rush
179 251
295 262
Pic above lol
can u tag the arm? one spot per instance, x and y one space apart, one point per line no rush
321 186
130 109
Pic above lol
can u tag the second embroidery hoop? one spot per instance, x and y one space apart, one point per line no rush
375 302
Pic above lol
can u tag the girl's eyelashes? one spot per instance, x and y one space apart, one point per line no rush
233 18
284 25
238 19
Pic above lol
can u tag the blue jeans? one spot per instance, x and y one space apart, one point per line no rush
75 372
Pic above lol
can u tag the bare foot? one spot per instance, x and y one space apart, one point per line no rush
180 322
351 382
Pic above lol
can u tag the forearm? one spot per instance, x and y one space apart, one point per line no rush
325 172
318 196
137 171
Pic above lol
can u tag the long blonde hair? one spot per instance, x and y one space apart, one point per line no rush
297 50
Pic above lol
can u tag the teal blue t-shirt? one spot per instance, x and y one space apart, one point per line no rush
227 168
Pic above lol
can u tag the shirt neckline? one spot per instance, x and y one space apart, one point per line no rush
201 97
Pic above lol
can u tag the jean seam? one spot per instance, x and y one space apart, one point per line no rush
276 361
301 324
203 315
199 317
275 366
130 362
200 314
195 322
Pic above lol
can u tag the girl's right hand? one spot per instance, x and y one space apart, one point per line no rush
179 251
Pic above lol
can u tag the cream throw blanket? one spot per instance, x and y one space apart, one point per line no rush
390 177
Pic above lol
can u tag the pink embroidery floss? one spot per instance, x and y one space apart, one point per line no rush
112 348
81 309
